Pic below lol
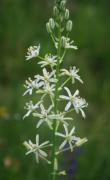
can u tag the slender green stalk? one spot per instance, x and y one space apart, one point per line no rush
41 58
56 107
65 82
66 149
63 55
53 39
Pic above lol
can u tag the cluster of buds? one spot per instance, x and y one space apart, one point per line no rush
52 84
61 14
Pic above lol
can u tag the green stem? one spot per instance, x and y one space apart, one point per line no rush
56 107
63 56
63 150
65 82
41 58
53 39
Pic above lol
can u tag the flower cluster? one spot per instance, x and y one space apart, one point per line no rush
50 83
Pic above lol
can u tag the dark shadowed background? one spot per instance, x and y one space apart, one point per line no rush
22 23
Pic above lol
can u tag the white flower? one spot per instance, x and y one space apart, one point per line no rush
69 44
33 51
32 84
69 98
48 60
37 149
61 118
77 102
69 138
47 77
44 116
47 89
30 107
72 73
66 43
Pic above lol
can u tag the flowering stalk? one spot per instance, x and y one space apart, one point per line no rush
56 101
51 84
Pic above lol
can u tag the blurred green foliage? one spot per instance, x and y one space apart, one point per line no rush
22 23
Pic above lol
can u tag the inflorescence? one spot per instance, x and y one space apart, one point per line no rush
52 83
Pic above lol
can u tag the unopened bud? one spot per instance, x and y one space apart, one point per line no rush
81 141
62 5
62 173
69 26
48 28
67 14
63 42
56 164
51 23
55 11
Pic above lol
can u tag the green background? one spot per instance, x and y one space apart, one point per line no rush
22 23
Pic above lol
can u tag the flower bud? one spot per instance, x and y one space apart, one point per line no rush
51 23
62 173
67 14
48 28
55 11
63 42
69 26
81 141
62 5
56 164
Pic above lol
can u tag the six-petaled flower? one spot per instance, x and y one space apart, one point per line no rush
33 51
30 107
37 149
32 84
72 73
68 138
47 77
44 116
49 60
66 43
75 101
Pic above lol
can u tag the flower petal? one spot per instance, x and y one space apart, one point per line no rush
68 106
66 129
60 134
63 144
72 131
43 153
39 123
37 157
68 91
37 140
64 97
